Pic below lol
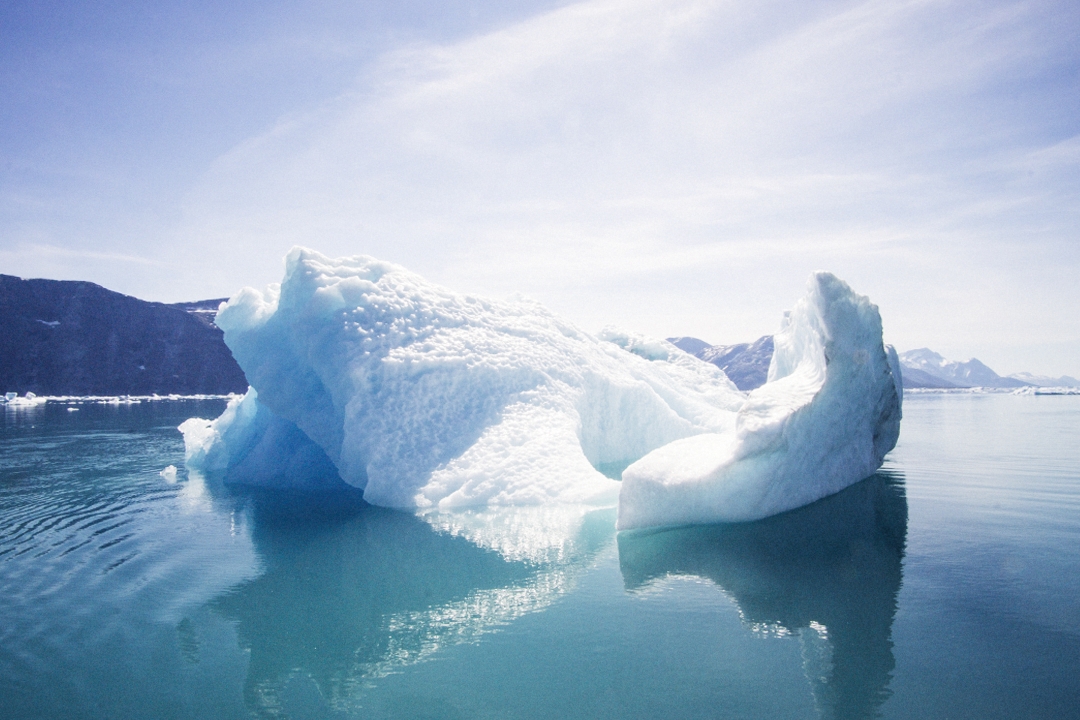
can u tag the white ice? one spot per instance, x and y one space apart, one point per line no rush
430 399
825 419
31 400
433 400
12 400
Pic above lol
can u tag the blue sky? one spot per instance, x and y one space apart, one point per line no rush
672 167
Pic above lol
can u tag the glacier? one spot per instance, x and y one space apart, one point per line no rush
362 371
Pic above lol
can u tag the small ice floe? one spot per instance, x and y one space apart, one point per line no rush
169 474
73 409
119 400
50 323
28 400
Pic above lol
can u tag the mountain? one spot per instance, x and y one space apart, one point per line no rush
915 378
925 362
1045 381
690 345
747 364
77 338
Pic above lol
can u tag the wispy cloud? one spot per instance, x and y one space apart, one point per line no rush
33 260
638 161
73 255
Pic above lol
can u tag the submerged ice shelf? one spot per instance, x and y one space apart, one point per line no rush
433 400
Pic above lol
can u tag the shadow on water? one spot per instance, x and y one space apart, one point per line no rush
352 592
829 572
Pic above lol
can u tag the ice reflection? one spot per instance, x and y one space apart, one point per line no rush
829 572
351 592
541 535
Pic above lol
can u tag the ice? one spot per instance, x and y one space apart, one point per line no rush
12 400
31 400
825 419
426 398
1047 391
256 448
437 401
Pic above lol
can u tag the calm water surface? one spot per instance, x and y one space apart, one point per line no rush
946 586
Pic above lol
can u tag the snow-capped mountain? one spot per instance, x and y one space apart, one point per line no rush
1045 380
917 364
747 364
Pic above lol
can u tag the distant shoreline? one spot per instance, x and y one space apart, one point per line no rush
31 400
38 400
1029 390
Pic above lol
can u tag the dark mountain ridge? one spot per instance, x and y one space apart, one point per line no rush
60 337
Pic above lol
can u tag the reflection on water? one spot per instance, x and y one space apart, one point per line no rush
100 558
130 595
829 572
350 592
539 535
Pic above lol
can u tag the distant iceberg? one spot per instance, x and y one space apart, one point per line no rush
13 400
432 400
825 419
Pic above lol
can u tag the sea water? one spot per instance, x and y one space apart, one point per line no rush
947 585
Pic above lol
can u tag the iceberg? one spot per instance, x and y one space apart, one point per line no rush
430 400
824 420
30 400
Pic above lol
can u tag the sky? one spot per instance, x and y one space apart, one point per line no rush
671 167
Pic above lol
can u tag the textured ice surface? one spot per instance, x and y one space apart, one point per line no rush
428 399
824 420
431 399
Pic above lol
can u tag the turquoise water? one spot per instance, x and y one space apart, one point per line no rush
948 585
